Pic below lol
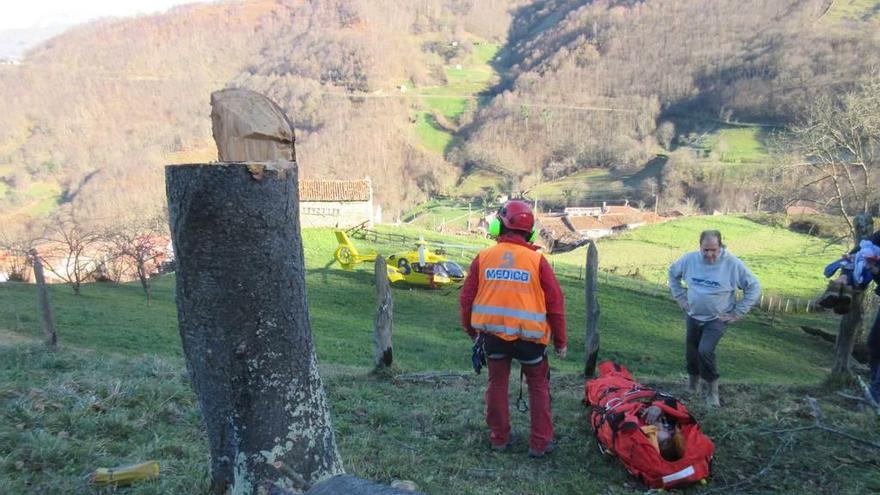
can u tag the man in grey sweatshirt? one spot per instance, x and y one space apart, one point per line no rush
713 276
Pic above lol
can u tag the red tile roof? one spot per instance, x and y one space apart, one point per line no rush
335 190
586 223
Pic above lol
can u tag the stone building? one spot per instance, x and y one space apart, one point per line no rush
335 203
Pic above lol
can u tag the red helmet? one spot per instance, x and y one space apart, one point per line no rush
517 215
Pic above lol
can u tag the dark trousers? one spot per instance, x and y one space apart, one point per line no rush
874 349
702 338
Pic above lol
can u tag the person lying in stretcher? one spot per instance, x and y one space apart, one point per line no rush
660 429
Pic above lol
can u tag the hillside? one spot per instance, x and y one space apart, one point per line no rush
436 96
118 391
93 114
588 83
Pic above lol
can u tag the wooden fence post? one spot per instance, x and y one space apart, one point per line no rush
591 298
383 324
45 307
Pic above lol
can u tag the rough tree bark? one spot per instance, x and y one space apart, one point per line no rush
45 307
244 322
591 296
863 226
383 324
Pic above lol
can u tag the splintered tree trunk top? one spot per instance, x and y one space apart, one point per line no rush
248 126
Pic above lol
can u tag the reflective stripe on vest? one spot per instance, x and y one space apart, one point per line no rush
518 313
510 301
516 332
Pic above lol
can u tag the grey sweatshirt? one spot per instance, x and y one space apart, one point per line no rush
711 289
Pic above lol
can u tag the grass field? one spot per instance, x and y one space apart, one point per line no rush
40 198
117 392
443 214
854 10
738 144
464 82
585 186
430 134
474 185
785 263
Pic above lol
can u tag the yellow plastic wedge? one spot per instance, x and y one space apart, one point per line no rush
126 475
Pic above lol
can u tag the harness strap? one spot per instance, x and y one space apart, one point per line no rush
521 405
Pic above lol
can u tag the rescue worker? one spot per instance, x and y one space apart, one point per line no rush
512 298
713 276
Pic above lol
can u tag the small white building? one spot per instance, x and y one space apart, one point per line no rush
335 203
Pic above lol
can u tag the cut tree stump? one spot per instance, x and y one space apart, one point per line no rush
244 322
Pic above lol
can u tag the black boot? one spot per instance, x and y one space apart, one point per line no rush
832 294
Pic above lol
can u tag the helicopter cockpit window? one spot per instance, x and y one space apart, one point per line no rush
451 269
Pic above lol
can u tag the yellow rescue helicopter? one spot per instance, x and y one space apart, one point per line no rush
419 267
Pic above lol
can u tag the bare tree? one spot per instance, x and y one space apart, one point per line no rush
840 142
15 259
70 248
138 242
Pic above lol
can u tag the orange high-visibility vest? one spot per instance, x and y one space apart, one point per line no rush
510 301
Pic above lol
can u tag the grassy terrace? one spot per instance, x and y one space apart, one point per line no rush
464 82
738 144
786 263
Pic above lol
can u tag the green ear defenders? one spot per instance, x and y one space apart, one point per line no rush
495 229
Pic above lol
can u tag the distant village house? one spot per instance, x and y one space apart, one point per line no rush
336 203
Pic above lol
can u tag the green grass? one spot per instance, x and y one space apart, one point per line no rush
38 199
450 106
108 318
67 413
784 262
586 185
738 145
443 213
119 392
854 10
484 53
474 184
464 82
430 134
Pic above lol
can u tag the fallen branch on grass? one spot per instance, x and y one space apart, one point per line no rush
860 351
868 397
852 397
431 376
817 414
757 476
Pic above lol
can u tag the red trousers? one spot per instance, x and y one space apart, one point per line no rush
498 408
